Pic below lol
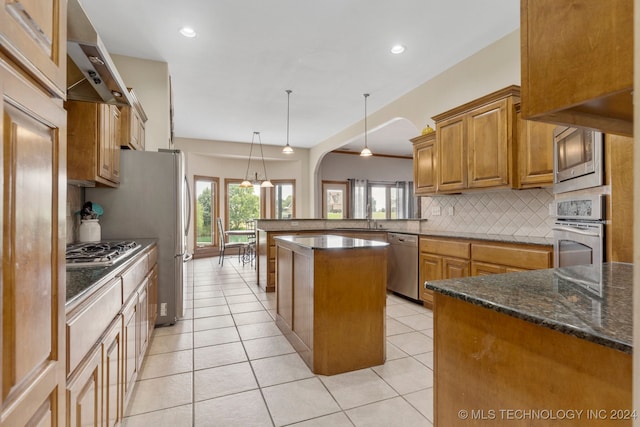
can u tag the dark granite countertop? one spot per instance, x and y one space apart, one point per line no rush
531 240
555 299
330 241
80 281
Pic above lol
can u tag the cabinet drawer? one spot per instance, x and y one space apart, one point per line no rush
134 276
86 325
522 257
450 248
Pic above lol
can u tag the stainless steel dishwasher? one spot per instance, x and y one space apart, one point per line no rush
402 265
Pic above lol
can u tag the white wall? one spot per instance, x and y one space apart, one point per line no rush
150 81
490 69
340 167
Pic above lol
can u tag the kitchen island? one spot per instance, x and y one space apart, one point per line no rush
534 348
331 299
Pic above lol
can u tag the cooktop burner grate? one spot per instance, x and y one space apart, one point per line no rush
98 254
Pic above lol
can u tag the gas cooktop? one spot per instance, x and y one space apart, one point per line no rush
98 254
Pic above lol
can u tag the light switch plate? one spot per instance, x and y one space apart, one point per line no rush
435 211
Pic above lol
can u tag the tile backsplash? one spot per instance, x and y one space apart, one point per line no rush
507 212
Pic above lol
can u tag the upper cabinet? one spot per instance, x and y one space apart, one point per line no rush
484 144
534 153
34 34
93 143
577 63
474 143
133 124
424 164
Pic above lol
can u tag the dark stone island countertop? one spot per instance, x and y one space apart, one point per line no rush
81 280
555 299
330 241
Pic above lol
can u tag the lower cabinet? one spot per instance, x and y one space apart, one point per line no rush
451 258
94 392
103 367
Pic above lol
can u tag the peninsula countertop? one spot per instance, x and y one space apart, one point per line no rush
330 241
555 299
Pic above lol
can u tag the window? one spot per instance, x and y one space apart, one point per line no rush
242 205
206 203
335 199
382 200
283 200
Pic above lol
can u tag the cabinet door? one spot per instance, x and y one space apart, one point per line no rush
453 268
483 269
488 145
152 296
33 205
112 371
129 351
452 153
535 153
85 393
424 166
284 286
430 269
109 143
34 33
143 322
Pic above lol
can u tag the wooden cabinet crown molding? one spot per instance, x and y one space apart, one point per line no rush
513 90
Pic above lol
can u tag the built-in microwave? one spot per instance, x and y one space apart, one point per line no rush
577 158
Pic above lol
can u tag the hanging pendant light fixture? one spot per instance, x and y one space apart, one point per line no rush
246 183
287 148
365 151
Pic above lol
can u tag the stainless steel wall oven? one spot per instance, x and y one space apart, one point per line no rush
579 238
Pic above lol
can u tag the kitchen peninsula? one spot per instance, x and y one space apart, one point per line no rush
534 341
331 298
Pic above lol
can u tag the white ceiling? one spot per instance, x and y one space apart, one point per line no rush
230 80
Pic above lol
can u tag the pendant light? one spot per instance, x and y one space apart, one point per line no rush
365 151
246 183
287 148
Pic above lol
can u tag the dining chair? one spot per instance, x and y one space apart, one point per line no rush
250 254
224 245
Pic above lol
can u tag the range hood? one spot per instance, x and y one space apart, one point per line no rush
91 74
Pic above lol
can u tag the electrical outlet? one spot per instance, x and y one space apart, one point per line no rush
435 211
450 211
163 309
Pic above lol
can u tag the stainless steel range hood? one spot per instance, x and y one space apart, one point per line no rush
91 74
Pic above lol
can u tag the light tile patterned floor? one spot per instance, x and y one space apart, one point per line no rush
227 364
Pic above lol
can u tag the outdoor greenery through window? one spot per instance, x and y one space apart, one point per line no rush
243 205
282 200
206 201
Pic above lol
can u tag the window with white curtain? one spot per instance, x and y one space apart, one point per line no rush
381 200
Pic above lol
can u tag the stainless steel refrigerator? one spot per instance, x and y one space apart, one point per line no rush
152 202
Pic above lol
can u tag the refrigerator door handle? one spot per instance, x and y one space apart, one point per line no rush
188 202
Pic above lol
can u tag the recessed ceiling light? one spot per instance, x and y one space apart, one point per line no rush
188 32
398 49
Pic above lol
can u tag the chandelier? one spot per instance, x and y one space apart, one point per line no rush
265 183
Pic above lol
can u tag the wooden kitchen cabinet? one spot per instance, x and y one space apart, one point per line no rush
33 356
93 143
577 63
441 258
34 34
129 350
94 390
498 257
475 143
424 164
133 124
451 258
534 153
